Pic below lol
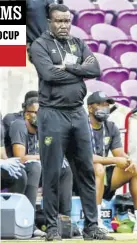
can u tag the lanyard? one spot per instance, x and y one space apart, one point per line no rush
58 44
94 142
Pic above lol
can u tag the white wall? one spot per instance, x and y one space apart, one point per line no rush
14 83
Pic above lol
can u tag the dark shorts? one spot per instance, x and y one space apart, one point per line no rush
6 180
11 184
108 194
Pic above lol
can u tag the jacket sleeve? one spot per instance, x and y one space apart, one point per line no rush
87 70
46 69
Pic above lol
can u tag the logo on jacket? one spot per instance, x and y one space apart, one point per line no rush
48 140
53 51
73 48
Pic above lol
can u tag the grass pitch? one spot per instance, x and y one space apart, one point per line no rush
120 238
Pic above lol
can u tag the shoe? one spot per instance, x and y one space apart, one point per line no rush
96 233
38 233
102 226
53 235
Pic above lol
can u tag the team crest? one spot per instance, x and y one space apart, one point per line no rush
48 140
73 48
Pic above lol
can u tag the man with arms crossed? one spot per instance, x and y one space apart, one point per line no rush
62 62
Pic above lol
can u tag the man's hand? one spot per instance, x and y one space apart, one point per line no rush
89 59
62 66
13 167
122 162
132 168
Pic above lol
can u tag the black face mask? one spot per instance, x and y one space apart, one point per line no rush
34 122
102 114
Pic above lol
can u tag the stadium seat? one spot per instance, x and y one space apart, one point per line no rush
93 44
87 18
133 32
126 19
74 16
97 46
129 87
121 46
116 5
123 100
107 32
96 85
78 32
105 61
79 5
129 60
115 77
129 101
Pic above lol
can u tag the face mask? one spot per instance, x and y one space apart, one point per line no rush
102 114
34 122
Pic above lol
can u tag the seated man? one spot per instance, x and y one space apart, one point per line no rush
10 117
23 137
116 170
24 140
13 176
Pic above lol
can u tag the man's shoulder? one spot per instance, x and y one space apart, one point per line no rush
77 40
109 123
18 132
37 41
40 41
19 124
81 43
111 126
10 117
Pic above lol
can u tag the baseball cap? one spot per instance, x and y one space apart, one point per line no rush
99 97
